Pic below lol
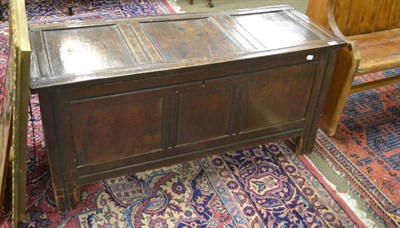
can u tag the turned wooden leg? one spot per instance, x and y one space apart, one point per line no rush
210 3
191 2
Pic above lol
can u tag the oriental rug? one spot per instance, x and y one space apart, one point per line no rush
264 186
366 147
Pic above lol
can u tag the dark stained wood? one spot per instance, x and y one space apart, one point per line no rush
372 29
263 107
206 43
98 53
209 104
155 91
210 3
90 117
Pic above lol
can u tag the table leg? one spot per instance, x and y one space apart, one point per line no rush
210 3
69 6
66 199
1 12
304 145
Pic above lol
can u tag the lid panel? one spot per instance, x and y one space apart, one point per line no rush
67 53
196 38
275 29
76 51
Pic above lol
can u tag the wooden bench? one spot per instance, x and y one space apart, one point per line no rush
372 30
14 111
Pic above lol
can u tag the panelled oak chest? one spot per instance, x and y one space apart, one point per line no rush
120 96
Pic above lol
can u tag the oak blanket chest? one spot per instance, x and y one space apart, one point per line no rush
123 95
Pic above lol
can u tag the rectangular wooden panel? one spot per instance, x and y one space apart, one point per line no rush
182 39
98 128
204 114
78 51
277 30
268 93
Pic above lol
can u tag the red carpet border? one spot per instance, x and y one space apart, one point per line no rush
366 147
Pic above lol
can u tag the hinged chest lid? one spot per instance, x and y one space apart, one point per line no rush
83 51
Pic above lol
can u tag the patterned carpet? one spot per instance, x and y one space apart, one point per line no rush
265 186
366 147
